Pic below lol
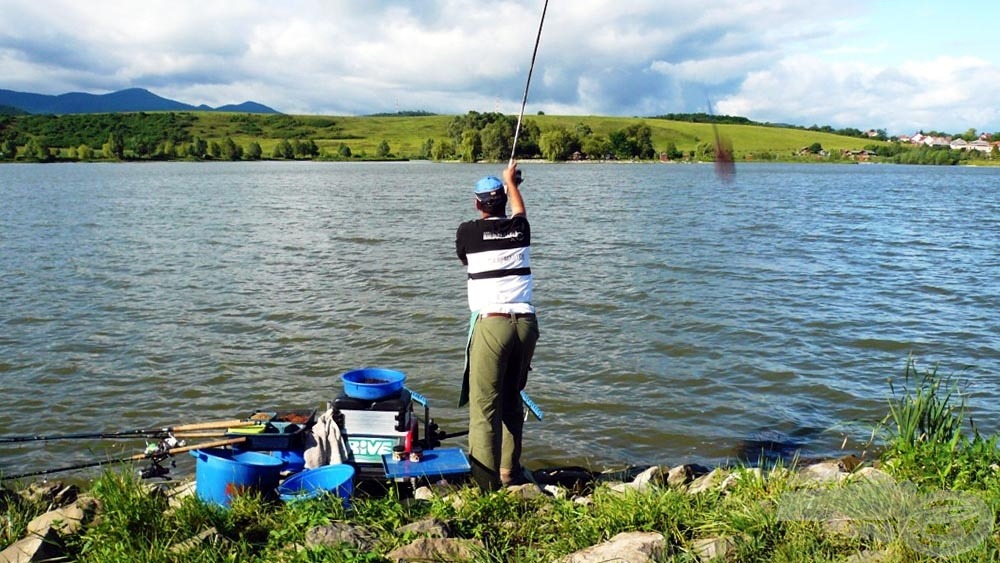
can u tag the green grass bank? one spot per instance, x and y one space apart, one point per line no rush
931 491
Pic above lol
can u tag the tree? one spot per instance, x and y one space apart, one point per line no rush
672 153
426 149
557 144
37 150
383 149
497 138
344 151
84 152
644 141
115 147
621 145
254 152
595 146
443 150
305 149
230 150
284 150
199 148
9 149
471 146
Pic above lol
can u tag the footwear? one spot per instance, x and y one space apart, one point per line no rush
515 478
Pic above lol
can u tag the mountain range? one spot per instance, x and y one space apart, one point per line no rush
130 100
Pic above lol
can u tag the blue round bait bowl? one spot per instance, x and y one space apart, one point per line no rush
337 479
372 384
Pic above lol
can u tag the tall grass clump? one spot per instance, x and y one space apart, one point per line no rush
928 440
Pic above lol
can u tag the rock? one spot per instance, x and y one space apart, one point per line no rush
706 482
555 491
753 473
626 547
436 490
708 549
338 533
684 474
430 527
176 495
525 491
823 473
67 520
873 475
651 476
210 536
51 493
438 549
44 547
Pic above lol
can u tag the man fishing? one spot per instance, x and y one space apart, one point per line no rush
503 329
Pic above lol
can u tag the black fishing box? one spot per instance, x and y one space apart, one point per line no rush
281 430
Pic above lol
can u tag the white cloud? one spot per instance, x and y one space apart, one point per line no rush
944 93
825 62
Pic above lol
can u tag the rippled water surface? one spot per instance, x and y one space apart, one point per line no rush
681 318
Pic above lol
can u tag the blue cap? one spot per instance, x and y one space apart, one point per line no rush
489 188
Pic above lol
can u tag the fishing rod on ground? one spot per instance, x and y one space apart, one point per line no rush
527 85
195 430
155 453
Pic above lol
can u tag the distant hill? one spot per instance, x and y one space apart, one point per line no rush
130 100
9 110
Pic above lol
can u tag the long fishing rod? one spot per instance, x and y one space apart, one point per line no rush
158 454
189 429
527 84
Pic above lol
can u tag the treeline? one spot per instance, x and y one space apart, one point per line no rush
152 136
898 153
489 136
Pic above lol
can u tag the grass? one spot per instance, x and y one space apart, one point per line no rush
406 134
927 446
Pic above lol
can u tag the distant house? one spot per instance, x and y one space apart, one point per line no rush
859 155
959 144
980 145
937 141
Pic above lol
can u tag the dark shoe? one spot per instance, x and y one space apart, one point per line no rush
516 478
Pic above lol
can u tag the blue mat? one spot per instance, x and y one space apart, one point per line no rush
438 462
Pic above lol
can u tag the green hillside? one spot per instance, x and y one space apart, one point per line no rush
405 135
470 137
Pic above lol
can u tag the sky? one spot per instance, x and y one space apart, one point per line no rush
899 66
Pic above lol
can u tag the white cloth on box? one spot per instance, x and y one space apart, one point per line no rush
325 446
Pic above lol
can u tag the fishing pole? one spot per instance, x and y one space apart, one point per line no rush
190 429
158 454
524 100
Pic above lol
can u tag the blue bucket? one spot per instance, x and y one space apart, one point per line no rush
372 384
337 479
221 474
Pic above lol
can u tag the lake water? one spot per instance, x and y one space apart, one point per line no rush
682 318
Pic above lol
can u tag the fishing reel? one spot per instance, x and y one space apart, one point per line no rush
156 469
159 452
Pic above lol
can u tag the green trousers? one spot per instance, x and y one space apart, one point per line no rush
500 353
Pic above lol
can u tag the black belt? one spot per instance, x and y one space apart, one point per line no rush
509 315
